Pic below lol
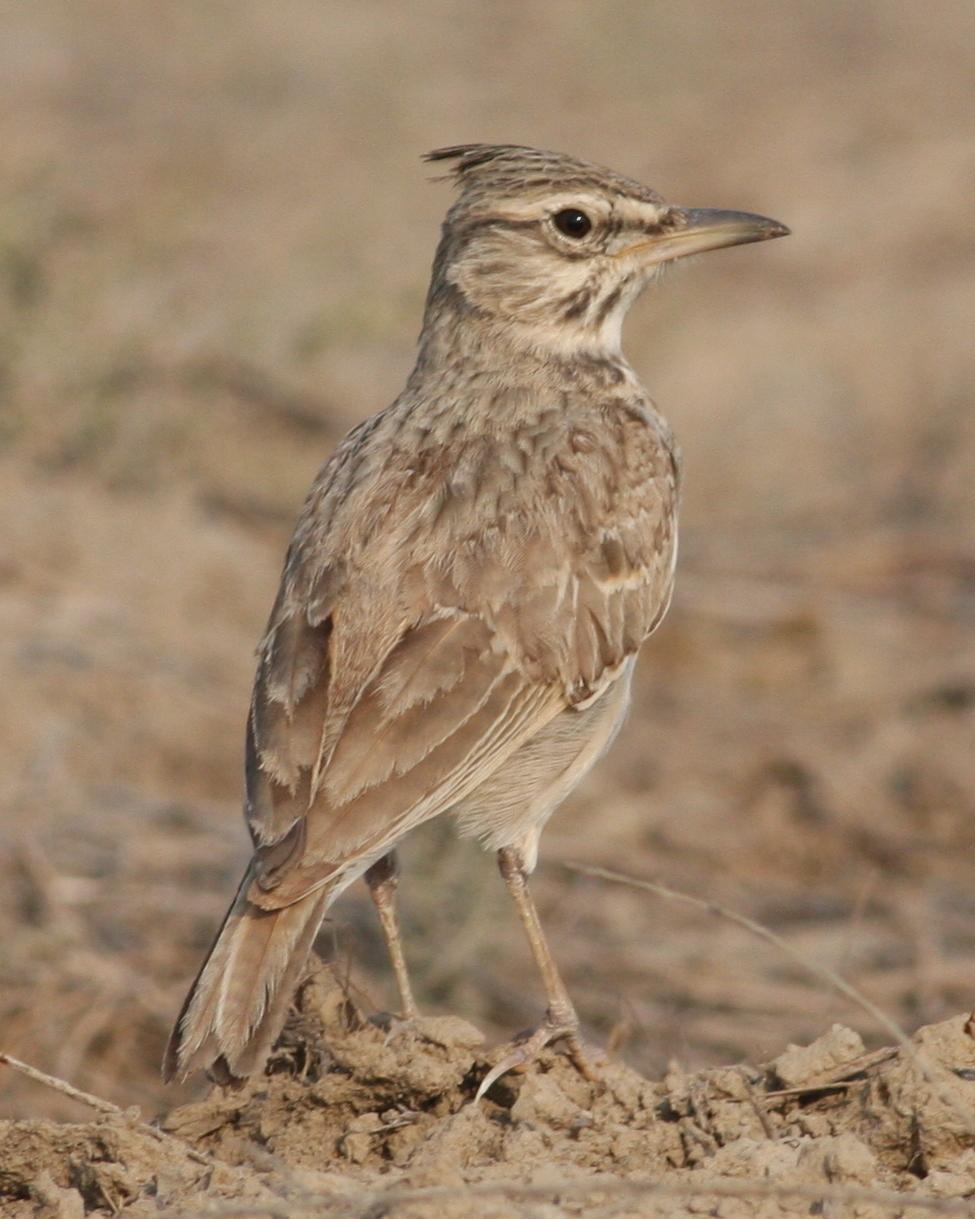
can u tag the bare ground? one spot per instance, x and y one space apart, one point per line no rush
214 236
385 1121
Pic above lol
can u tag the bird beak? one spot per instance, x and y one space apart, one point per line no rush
693 230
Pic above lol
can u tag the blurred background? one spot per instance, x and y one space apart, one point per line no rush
215 233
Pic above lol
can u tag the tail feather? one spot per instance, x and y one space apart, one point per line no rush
237 1006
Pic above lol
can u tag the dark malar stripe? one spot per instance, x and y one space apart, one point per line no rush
608 304
577 303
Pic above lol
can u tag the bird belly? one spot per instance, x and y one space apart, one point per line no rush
512 806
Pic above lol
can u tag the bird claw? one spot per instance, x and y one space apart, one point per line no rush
525 1051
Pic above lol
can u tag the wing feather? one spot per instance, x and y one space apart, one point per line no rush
382 739
411 652
370 822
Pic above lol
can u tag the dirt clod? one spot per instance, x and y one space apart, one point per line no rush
388 1124
800 1064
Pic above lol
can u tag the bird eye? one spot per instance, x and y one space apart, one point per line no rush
572 223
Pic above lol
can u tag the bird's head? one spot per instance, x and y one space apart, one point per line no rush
560 248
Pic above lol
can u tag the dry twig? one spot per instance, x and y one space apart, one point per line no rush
59 1085
96 1103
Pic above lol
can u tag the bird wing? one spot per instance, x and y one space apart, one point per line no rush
444 708
420 638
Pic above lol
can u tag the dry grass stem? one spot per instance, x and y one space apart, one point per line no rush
383 1203
59 1085
98 1104
823 972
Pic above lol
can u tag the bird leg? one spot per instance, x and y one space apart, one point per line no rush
561 1021
383 879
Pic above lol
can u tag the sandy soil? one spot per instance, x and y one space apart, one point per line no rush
385 1121
214 240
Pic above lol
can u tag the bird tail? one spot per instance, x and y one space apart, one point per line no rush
237 1005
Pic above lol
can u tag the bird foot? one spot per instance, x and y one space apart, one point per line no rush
526 1048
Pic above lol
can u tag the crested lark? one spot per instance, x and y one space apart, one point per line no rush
467 588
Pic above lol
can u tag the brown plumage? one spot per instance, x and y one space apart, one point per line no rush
468 585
